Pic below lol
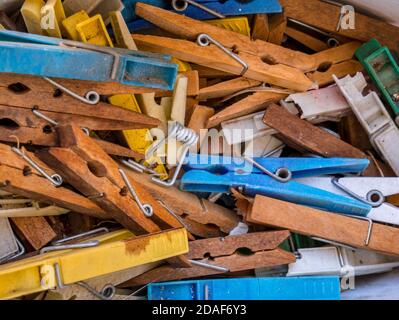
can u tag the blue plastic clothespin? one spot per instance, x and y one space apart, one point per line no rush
219 174
25 53
225 8
295 288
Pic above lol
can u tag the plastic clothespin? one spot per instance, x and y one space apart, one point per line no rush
75 60
274 177
227 8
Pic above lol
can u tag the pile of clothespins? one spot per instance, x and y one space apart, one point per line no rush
196 149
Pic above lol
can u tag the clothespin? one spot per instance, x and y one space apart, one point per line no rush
327 16
138 140
201 9
358 232
373 116
369 190
67 265
306 137
383 70
340 261
78 60
22 173
275 288
264 248
321 105
276 55
200 216
275 177
89 169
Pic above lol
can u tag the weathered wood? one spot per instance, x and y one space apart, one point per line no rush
80 87
277 27
65 104
326 16
255 102
117 150
325 77
37 188
24 117
336 55
202 217
216 247
260 27
234 263
198 121
330 226
394 199
90 170
205 72
189 29
226 88
277 74
36 230
306 39
304 136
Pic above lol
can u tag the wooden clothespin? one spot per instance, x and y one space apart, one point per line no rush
326 16
200 216
353 231
83 163
263 54
223 257
20 177
304 136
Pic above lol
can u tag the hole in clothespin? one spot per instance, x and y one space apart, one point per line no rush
269 60
124 191
18 87
57 93
325 66
47 129
9 123
96 168
244 251
27 171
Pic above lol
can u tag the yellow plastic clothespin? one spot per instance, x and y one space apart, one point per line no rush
31 13
52 15
71 22
138 139
93 31
236 24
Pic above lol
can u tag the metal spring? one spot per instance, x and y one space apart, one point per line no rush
182 134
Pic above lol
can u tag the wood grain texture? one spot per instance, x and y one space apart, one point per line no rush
188 28
323 78
198 121
36 230
80 87
255 102
277 74
304 136
260 27
37 188
216 247
204 218
89 169
235 262
226 88
326 16
67 105
306 39
330 226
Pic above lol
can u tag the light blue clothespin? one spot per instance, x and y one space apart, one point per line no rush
274 177
295 288
25 53
200 9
